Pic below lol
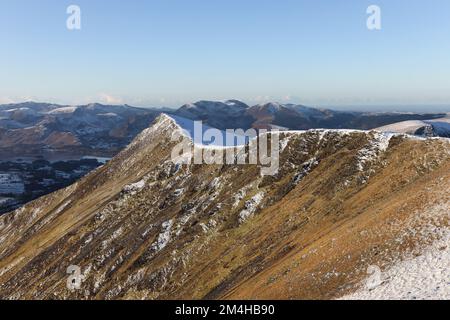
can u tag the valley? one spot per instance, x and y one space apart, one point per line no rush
21 181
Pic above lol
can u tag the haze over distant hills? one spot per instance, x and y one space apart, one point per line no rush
230 114
51 131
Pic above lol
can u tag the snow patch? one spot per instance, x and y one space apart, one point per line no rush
63 207
135 187
250 207
306 169
374 149
164 237
63 110
426 277
420 273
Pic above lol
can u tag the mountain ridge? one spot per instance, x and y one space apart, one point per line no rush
35 132
291 116
143 227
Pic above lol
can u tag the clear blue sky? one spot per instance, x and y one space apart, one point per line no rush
168 52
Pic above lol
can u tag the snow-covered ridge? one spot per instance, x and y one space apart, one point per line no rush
435 127
18 109
186 127
162 123
63 110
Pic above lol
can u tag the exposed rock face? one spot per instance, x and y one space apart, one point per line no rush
142 227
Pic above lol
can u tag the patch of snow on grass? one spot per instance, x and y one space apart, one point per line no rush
63 207
239 196
250 207
284 142
178 192
306 169
135 187
372 151
164 237
420 273
426 277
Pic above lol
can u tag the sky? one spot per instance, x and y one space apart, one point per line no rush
171 52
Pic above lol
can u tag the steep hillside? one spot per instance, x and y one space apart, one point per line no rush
142 227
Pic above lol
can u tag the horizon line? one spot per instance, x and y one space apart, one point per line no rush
347 107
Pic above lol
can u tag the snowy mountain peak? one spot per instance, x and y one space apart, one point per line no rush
271 107
215 106
237 103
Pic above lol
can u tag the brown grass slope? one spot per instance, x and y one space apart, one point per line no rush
340 203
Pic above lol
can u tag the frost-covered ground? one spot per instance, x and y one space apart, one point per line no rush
426 277
420 274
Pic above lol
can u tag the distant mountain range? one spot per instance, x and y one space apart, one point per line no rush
53 131
49 131
236 114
